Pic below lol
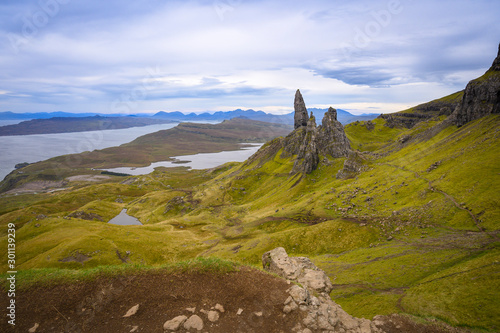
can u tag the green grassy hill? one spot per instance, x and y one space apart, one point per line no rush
413 230
416 232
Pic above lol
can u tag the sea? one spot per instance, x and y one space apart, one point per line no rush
38 147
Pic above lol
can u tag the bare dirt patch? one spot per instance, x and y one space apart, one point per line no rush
252 302
87 178
99 306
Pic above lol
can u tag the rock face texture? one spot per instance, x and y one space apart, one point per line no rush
332 138
481 96
300 117
321 314
308 141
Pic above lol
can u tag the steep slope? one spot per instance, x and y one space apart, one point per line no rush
481 96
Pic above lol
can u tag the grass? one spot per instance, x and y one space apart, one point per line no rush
398 237
44 277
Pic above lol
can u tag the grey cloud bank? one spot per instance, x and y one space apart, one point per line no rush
145 56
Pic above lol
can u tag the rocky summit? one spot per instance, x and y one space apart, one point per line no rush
309 142
481 96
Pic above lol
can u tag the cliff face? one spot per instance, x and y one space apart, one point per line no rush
481 96
308 142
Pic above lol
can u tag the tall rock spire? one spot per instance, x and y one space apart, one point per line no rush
300 117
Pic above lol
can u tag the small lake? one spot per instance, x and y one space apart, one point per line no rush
124 219
196 162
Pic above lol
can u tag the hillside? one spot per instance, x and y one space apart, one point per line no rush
403 219
184 139
76 124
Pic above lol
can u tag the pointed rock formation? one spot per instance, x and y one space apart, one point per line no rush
308 143
331 137
308 156
300 117
481 96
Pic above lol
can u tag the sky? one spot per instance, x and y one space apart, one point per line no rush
144 56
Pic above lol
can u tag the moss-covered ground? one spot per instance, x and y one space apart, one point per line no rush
416 232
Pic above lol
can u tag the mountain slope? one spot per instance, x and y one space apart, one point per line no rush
76 124
404 220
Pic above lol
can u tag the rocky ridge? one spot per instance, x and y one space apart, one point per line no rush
322 314
481 96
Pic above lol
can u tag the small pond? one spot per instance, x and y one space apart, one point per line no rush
124 219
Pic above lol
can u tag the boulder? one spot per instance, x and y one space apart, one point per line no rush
194 322
174 324
298 269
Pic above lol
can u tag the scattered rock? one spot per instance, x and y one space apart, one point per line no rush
134 329
132 311
299 269
322 314
34 328
219 308
213 316
86 216
174 324
194 322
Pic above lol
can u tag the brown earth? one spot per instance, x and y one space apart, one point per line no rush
99 305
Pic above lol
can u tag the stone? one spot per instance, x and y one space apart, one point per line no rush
316 280
300 116
297 269
219 308
240 311
192 310
174 324
34 328
194 322
299 295
132 311
134 329
213 316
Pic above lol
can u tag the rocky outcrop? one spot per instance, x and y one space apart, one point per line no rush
320 312
481 96
331 137
308 141
300 117
353 165
308 155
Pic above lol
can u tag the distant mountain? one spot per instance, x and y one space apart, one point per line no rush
343 116
76 124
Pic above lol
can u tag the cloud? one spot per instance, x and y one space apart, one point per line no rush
208 55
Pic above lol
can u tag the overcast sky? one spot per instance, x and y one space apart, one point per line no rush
119 56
